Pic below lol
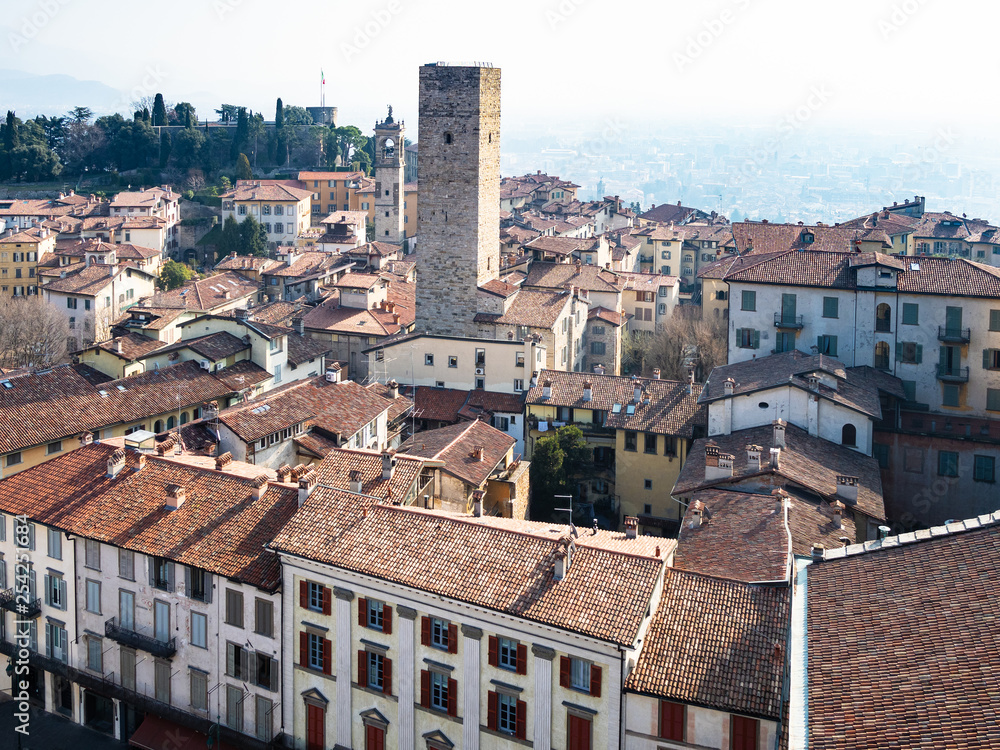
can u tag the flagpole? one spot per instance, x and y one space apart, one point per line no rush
322 88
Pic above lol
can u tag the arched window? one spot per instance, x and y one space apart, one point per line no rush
883 318
882 355
849 435
170 423
184 417
158 426
447 138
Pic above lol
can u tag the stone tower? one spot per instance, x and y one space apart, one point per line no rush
390 159
458 213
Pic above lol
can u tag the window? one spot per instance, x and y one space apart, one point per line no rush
672 720
199 630
984 469
237 661
951 395
13 459
649 443
911 314
95 654
440 685
429 360
508 654
234 608
161 573
518 385
126 564
747 338
71 303
480 384
439 633
744 733
199 690
234 708
630 441
262 718
126 609
881 355
597 347
55 591
849 435
24 534
277 373
993 399
909 353
264 617
55 543
92 554
53 447
507 714
452 361
161 621
947 464
371 670
827 345
197 584
375 615
94 597
314 652
749 301
56 643
265 671
883 318
580 674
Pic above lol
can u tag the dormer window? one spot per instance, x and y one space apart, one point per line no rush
808 238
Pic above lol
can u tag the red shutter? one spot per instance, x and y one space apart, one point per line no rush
452 638
565 671
387 619
520 728
327 653
595 680
304 594
425 688
672 721
492 708
522 659
304 648
326 600
363 612
493 651
452 698
363 668
386 675
745 732
425 631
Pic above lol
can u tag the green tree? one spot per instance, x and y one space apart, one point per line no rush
557 464
243 171
229 239
173 275
81 115
253 238
184 114
187 147
159 111
227 112
279 152
240 136
165 146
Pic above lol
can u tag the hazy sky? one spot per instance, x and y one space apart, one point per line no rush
881 64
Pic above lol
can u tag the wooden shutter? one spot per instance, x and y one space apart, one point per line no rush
326 600
522 659
363 668
208 587
327 653
452 697
425 631
363 612
494 655
492 709
230 660
387 675
672 721
170 576
744 733
275 664
187 580
304 648
565 671
452 639
520 727
387 619
425 688
304 594
595 680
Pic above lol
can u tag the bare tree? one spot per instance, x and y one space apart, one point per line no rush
33 333
195 180
681 344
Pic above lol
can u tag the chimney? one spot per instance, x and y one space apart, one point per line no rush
388 464
598 369
534 379
847 488
588 390
631 527
775 458
782 498
393 388
284 473
307 484
477 503
637 393
85 438
779 432
547 389
117 346
818 552
477 452
175 496
299 325
656 373
259 486
753 458
697 511
564 557
241 313
221 462
838 513
116 463
354 479
140 461
728 386
718 465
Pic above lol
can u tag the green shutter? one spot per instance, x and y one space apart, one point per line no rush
756 339
911 313
995 320
920 354
832 350
986 359
899 351
943 356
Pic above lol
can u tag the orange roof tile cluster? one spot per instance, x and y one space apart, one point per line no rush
220 527
563 275
535 308
458 446
266 191
206 294
338 466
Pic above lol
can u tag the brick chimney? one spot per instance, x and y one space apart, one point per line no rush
388 464
116 463
259 486
284 473
299 325
838 513
718 465
564 557
221 462
175 497
779 432
478 452
307 484
354 480
631 527
140 461
847 488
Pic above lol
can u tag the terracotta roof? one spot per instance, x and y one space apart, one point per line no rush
534 308
316 443
760 237
491 401
220 527
305 265
337 467
242 375
456 445
437 404
604 595
211 346
608 316
812 523
89 280
330 316
60 403
25 237
359 280
302 349
133 346
559 245
742 536
499 288
331 176
910 645
716 643
143 198
400 405
810 462
207 294
267 192
244 263
562 275
274 313
382 249
670 212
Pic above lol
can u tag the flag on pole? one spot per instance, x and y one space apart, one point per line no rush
322 75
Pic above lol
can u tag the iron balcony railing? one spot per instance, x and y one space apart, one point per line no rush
787 321
29 610
163 649
953 374
956 335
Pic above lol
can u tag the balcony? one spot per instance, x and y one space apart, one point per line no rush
954 335
162 649
29 611
787 321
953 374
